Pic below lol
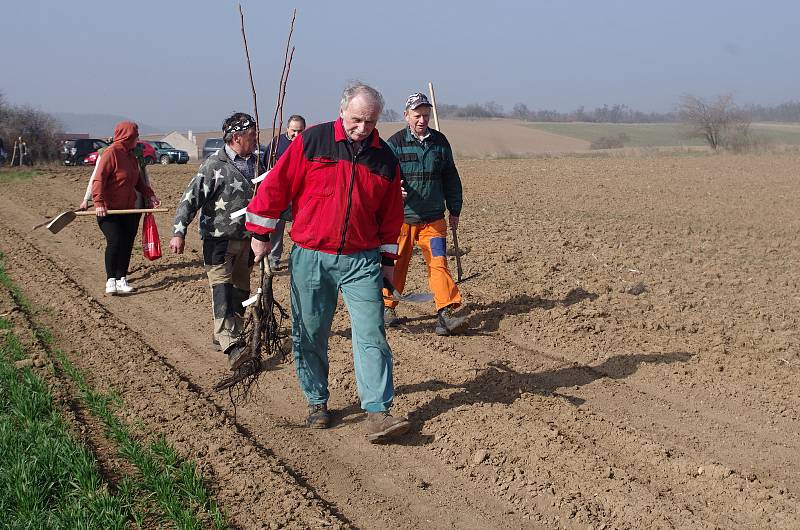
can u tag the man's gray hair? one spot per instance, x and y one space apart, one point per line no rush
357 88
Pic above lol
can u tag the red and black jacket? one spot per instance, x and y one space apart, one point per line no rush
341 203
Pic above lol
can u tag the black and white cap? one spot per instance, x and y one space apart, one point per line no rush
417 99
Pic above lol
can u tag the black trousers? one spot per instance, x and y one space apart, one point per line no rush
120 231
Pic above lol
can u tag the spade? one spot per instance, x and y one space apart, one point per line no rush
62 220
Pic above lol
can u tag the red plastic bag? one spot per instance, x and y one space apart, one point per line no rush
151 244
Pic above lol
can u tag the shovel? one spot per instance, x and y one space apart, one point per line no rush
411 297
62 220
459 271
50 219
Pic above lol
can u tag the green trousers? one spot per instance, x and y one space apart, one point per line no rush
316 279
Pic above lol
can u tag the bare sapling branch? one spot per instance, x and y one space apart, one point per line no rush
252 84
281 92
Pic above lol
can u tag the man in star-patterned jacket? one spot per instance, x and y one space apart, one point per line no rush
222 186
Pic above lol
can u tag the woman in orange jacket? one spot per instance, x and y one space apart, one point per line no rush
117 180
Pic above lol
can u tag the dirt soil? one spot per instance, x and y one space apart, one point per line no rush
632 360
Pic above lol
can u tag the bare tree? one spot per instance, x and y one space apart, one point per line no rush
39 129
718 122
520 111
390 115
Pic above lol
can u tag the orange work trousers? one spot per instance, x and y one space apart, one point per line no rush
432 240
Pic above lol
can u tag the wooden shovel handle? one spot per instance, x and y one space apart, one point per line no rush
433 107
459 270
133 210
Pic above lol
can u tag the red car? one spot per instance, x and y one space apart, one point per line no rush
147 150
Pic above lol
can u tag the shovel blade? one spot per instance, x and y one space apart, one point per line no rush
60 222
411 297
418 298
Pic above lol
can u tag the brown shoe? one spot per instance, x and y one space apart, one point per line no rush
447 324
383 426
318 416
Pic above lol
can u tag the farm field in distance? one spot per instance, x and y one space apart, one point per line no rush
659 134
632 361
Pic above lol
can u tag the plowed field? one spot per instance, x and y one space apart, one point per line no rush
632 359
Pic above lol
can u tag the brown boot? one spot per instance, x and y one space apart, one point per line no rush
318 416
383 426
447 324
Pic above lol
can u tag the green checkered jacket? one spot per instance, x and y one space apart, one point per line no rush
429 176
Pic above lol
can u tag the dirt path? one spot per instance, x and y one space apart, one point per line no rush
572 402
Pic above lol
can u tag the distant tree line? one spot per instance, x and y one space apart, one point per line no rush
787 112
40 131
617 113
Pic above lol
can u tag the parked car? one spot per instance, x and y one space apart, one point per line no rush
148 152
166 154
75 151
211 146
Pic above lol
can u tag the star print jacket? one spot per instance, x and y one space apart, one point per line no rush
342 202
217 190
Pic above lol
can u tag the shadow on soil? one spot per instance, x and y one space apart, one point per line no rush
140 274
485 318
499 383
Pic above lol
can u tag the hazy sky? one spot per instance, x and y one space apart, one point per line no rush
180 63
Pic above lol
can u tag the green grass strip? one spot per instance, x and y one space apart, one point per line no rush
10 175
43 335
174 485
639 134
47 478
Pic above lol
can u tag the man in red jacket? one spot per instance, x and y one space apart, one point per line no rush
343 183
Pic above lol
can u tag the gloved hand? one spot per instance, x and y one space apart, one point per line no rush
388 272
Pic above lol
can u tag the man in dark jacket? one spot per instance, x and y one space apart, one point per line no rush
222 186
432 183
279 145
343 183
